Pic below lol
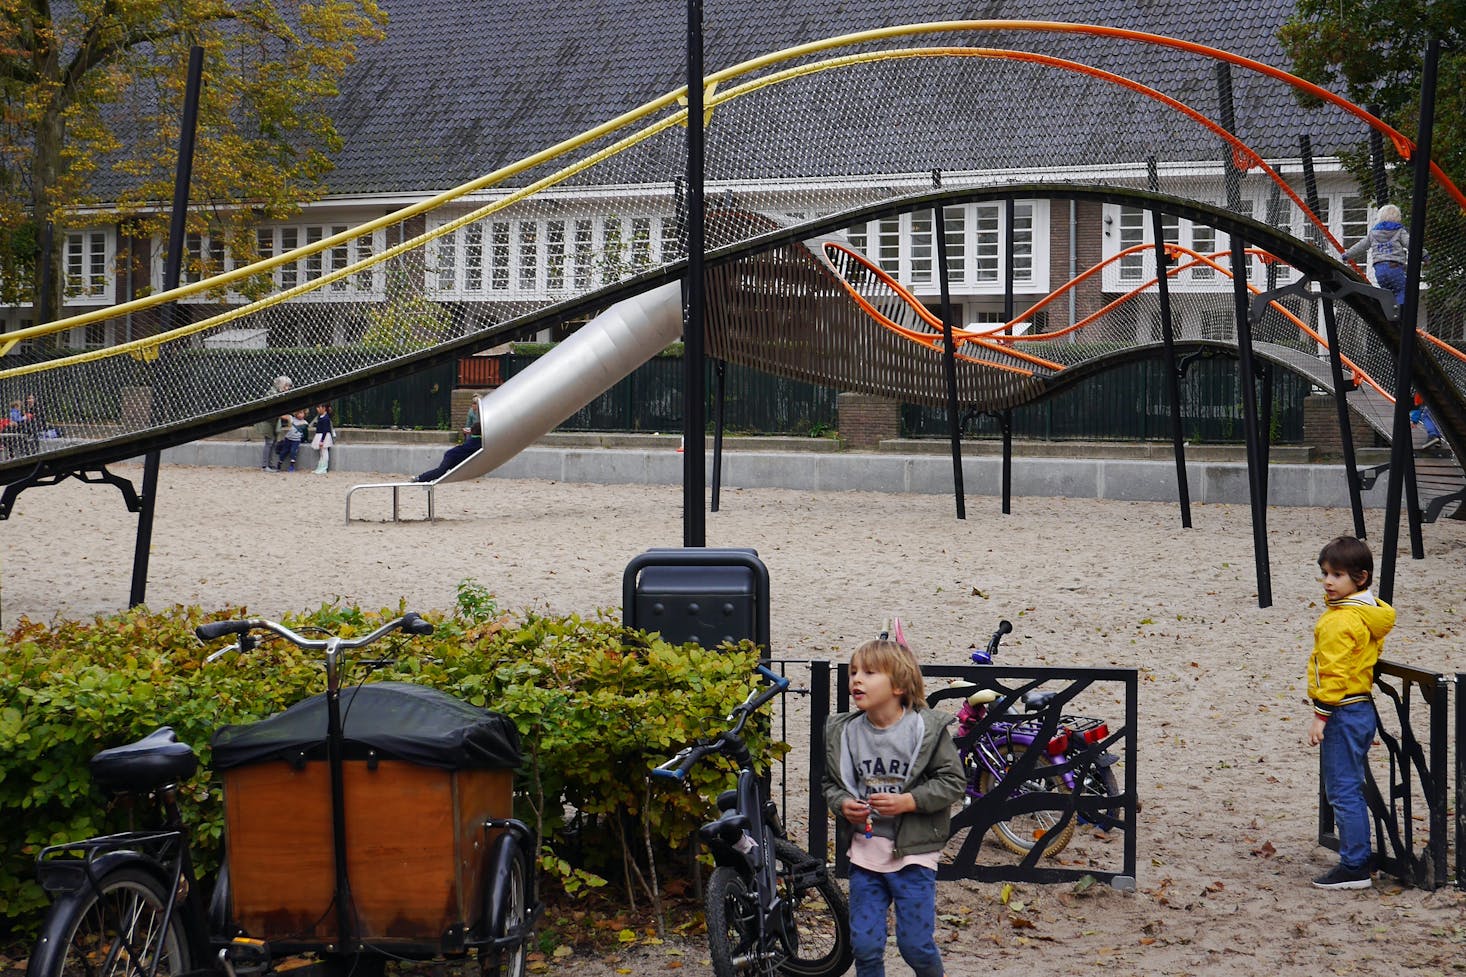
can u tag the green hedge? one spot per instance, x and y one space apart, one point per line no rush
597 708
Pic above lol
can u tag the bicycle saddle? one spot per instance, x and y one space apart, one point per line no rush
1036 700
154 761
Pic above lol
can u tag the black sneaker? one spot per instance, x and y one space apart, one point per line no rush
1340 877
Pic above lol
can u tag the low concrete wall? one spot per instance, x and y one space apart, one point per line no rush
1128 479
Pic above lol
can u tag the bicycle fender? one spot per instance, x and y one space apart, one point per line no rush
63 876
501 859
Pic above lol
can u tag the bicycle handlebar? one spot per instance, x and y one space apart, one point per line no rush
410 622
986 656
680 765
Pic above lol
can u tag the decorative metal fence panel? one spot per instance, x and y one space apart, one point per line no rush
1417 771
1130 403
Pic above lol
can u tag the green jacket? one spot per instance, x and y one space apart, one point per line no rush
938 782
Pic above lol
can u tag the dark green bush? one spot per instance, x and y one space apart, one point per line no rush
597 709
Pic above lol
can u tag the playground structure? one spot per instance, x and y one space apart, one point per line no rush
803 160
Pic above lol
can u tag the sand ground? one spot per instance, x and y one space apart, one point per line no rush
1226 835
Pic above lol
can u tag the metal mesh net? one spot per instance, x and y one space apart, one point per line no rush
799 141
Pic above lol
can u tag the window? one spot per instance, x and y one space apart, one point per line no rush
641 243
271 241
956 221
922 245
529 255
888 246
988 239
473 256
1131 230
584 252
499 256
555 256
86 265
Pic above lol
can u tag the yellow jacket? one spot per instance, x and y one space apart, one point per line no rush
1346 645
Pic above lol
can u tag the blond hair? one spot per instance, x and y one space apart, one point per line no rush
1389 212
896 661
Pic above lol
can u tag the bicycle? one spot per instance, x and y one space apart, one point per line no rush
1034 755
765 915
127 905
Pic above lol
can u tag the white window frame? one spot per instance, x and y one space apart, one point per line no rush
546 258
87 263
276 239
905 248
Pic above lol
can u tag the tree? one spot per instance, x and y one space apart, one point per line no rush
1372 51
90 98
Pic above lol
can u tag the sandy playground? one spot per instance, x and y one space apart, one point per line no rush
1226 835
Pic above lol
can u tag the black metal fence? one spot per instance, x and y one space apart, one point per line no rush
1131 403
1418 773
650 399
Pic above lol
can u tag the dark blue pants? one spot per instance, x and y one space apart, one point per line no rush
914 891
1346 740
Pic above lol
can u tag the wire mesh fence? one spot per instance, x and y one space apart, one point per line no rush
802 139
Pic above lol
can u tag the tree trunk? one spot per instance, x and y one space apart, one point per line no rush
48 289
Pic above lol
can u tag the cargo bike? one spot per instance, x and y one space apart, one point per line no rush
362 825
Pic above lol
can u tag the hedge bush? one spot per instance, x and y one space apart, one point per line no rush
596 707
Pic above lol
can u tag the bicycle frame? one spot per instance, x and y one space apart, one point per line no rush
743 835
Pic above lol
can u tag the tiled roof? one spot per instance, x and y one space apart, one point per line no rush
458 89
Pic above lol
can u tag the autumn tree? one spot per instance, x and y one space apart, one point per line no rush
90 98
1372 51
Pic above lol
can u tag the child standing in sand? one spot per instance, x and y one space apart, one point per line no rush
323 440
1346 645
892 774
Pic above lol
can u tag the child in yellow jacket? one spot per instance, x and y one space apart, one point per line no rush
1347 641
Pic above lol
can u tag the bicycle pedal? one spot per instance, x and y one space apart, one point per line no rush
247 956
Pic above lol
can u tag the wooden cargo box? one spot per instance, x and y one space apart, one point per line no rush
415 848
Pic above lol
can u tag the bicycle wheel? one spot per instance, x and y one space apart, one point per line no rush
732 917
1101 782
1021 832
817 921
117 930
509 961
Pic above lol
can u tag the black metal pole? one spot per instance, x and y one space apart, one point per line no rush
1248 384
694 407
1336 360
1230 177
1168 339
176 233
1009 215
949 354
720 373
1401 453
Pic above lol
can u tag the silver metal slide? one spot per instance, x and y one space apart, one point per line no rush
584 366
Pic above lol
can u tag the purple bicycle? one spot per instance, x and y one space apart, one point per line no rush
1037 757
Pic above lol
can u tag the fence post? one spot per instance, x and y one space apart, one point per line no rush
819 711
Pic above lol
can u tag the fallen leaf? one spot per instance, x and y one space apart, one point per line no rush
1020 923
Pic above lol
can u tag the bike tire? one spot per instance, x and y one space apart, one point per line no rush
1019 834
1102 782
94 932
732 924
510 961
818 917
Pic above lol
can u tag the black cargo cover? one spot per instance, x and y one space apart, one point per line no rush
388 720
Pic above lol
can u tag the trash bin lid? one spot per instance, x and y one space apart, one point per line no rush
389 720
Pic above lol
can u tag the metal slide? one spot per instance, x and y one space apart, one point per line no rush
590 362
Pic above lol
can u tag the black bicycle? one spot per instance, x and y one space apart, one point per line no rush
771 907
306 872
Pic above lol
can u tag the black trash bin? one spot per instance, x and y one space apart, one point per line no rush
709 596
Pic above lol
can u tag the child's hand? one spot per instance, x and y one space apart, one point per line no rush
890 805
1315 730
855 811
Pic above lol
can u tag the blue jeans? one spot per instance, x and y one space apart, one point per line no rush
1391 275
914 891
1346 739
